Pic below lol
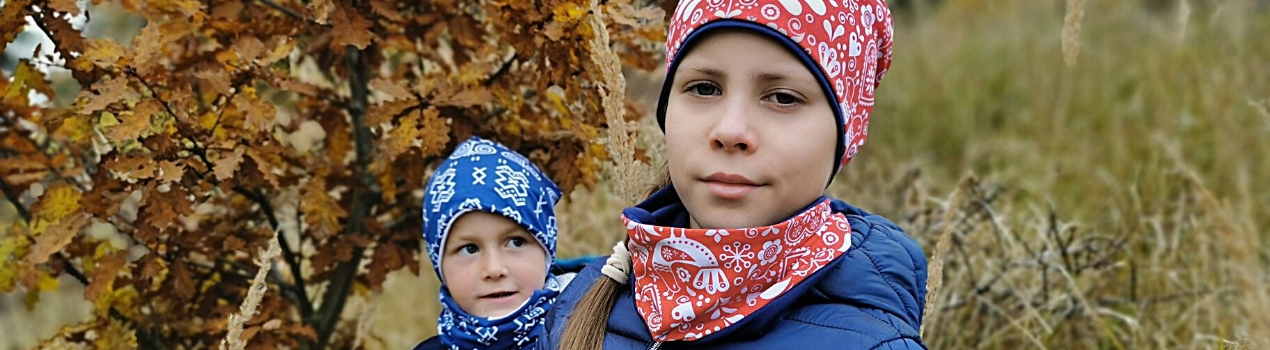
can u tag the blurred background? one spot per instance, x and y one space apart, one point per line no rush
1099 168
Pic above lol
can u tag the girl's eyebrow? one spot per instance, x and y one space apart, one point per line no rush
771 77
711 72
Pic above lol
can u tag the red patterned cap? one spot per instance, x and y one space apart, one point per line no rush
845 43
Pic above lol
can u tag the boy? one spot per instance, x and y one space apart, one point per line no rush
489 228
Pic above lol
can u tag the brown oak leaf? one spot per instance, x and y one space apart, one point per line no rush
108 92
133 126
181 280
387 9
139 167
349 28
171 171
321 212
218 79
58 235
228 164
103 278
265 163
390 88
64 6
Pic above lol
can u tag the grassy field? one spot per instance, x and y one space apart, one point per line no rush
1119 202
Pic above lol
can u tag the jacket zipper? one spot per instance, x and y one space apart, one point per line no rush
656 345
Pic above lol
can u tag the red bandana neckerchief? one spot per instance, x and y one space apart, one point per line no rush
690 283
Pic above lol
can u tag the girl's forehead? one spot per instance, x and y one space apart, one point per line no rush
739 54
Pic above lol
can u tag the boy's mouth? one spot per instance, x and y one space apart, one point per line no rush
498 295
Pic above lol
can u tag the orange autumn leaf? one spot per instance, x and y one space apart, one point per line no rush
434 132
265 163
146 47
55 237
12 19
107 92
258 114
67 6
171 171
228 164
387 258
349 28
163 209
101 52
321 10
339 143
463 97
387 9
321 212
134 125
103 277
218 79
138 167
390 88
181 280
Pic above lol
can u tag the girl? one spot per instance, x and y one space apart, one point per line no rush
763 102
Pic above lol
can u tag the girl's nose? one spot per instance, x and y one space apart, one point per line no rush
732 132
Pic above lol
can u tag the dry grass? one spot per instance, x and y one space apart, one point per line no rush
233 338
1071 30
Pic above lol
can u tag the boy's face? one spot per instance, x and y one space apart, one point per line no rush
491 264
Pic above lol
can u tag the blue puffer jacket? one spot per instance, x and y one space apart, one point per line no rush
872 297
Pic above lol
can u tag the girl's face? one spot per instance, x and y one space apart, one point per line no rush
492 264
749 132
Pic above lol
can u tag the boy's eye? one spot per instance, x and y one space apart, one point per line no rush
516 242
469 249
704 89
782 98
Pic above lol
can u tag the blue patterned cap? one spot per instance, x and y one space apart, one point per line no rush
487 176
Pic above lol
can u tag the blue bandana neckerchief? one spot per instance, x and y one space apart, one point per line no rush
519 330
483 175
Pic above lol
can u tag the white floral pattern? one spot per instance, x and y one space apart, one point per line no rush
705 280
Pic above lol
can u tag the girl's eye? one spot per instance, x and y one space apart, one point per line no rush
516 242
469 249
782 98
704 89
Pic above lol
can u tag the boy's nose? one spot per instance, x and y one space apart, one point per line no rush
494 266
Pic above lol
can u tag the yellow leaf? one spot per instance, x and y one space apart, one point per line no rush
568 12
47 282
75 128
26 79
118 335
58 201
102 52
107 120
